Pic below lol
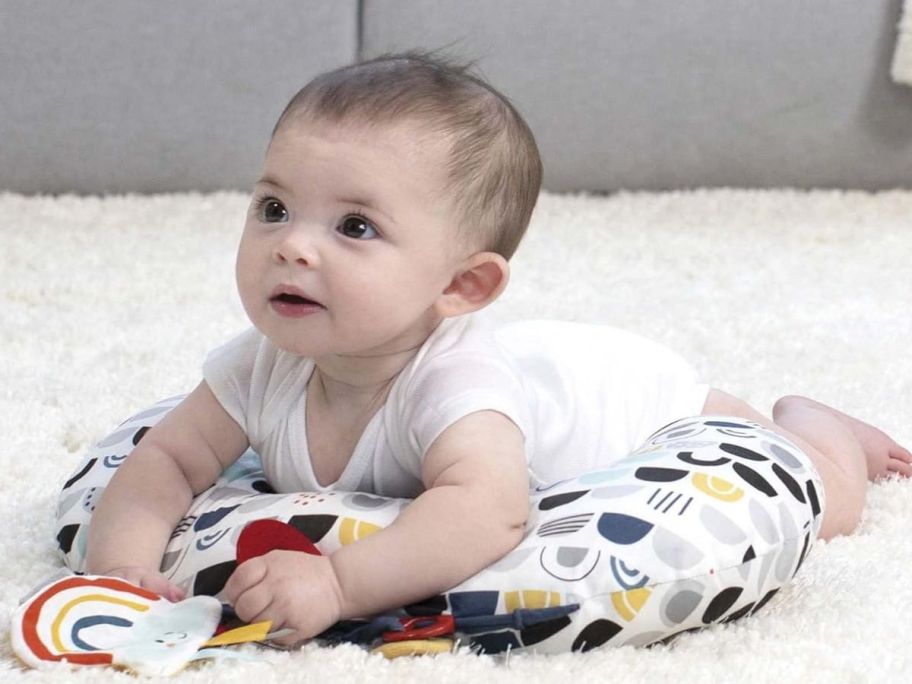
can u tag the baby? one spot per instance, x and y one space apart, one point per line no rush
393 194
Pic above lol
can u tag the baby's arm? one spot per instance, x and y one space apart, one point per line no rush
472 514
176 460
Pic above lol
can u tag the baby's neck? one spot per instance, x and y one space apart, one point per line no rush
362 382
357 382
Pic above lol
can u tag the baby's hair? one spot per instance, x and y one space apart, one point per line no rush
494 169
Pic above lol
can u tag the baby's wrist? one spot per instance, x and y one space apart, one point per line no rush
347 608
132 573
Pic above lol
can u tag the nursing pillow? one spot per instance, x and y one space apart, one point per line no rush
702 524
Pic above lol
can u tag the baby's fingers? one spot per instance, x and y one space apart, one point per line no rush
244 578
161 586
151 580
256 604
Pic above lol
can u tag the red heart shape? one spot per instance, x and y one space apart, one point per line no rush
262 536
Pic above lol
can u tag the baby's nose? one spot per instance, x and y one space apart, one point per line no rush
296 248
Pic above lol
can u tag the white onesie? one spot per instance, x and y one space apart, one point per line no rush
584 396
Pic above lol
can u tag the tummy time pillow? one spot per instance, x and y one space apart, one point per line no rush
702 524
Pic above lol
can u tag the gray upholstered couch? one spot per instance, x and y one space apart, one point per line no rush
169 95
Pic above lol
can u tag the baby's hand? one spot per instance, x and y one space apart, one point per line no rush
294 590
149 579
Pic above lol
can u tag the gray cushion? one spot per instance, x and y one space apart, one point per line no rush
157 96
643 94
655 94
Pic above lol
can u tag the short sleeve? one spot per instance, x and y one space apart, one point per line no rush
228 370
446 390
458 386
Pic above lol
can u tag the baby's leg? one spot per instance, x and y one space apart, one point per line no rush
831 446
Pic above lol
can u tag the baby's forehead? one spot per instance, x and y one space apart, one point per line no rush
410 127
394 144
379 153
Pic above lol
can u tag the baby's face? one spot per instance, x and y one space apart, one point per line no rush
349 240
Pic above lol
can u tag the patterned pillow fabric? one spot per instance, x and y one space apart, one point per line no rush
702 524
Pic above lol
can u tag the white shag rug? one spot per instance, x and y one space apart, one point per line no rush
108 304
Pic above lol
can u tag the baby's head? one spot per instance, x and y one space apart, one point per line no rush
393 193
493 169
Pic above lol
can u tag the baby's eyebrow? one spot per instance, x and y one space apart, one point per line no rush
365 202
268 180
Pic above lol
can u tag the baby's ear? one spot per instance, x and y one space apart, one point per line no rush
480 280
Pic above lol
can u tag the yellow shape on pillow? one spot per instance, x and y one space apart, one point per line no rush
351 530
717 487
530 598
628 603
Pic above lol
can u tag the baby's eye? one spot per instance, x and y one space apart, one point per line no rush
357 227
271 210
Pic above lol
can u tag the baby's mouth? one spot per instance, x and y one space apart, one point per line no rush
294 299
288 300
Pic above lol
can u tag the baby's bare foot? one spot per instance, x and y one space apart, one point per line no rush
884 456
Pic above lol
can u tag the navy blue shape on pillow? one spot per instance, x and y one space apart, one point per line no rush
623 529
207 520
207 541
114 460
472 603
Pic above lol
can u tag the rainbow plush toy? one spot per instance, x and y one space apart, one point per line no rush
88 620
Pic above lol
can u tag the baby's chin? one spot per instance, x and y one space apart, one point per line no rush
319 339
314 346
295 345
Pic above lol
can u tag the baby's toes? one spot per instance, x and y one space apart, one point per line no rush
900 462
901 453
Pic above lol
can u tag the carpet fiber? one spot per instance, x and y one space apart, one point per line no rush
108 304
